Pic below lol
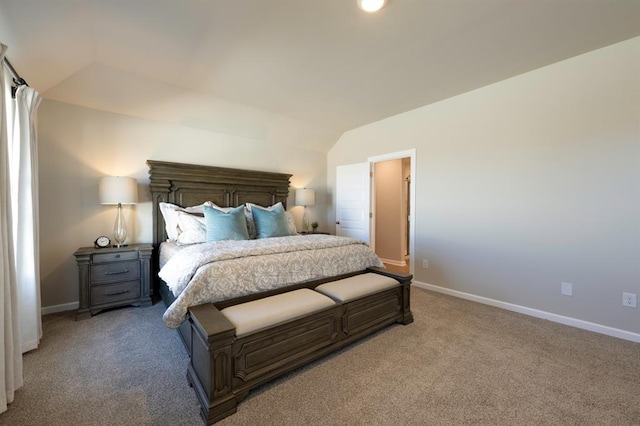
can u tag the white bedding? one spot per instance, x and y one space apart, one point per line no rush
212 272
168 249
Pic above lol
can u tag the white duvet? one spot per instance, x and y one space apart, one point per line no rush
212 272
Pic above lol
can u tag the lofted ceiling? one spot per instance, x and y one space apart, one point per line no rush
324 63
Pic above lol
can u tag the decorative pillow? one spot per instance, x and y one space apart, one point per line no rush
270 222
291 224
225 225
192 229
170 214
277 205
251 225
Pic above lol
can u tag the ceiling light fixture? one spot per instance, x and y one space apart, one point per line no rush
371 6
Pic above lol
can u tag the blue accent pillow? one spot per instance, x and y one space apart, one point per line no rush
270 223
225 225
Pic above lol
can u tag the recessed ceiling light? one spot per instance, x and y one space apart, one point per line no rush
371 6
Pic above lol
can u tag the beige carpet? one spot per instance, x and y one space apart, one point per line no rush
459 363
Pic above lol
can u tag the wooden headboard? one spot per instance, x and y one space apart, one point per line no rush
190 185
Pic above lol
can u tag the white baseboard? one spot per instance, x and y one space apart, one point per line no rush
394 262
60 308
574 322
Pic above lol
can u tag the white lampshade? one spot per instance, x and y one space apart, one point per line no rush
305 197
118 190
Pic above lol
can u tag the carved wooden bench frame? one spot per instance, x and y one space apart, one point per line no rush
223 368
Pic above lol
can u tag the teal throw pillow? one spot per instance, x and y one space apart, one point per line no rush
229 225
270 223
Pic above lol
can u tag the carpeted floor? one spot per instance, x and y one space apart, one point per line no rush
459 363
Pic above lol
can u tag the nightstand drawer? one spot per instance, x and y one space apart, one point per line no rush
108 293
119 271
115 257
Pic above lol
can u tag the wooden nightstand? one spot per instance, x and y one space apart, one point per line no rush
111 277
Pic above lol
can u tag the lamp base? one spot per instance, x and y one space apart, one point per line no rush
120 229
305 220
119 245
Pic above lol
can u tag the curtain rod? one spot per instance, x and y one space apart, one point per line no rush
17 80
16 77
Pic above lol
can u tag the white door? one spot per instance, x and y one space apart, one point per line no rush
352 201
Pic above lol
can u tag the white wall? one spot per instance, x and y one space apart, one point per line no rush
527 183
77 145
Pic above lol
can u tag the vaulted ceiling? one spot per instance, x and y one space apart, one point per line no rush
324 63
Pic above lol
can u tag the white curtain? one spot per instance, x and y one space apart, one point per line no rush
10 346
24 184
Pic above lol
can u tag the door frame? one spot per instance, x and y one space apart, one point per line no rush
410 153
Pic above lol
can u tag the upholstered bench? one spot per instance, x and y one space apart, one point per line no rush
352 288
236 346
366 300
261 314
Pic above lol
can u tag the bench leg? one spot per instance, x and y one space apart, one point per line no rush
213 410
407 315
210 366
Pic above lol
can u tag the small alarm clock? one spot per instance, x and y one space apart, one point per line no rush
102 242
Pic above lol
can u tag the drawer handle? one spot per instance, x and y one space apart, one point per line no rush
116 292
124 271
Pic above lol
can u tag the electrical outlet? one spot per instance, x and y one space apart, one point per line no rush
566 289
629 300
425 263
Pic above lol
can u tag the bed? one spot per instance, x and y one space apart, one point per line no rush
205 333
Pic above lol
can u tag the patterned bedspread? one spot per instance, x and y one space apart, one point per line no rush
222 270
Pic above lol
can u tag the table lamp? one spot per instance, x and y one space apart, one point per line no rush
305 197
118 190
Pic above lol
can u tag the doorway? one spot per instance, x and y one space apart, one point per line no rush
356 211
391 227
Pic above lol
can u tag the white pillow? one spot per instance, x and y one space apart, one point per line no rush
192 229
215 206
170 214
291 224
275 206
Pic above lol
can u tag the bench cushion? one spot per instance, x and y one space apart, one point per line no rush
260 314
348 289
